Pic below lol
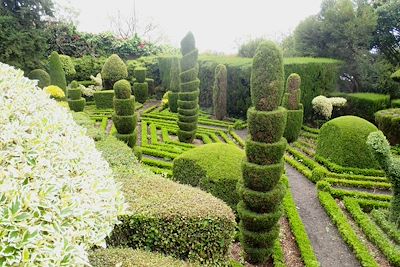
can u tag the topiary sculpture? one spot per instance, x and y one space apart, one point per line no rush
188 98
68 67
174 85
219 91
75 100
262 189
57 74
41 75
114 69
381 150
140 86
291 101
124 117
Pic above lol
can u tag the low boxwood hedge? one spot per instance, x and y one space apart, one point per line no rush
104 99
365 105
388 121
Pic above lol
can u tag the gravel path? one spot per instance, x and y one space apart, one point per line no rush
328 245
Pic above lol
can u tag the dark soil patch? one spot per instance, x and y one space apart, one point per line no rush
289 245
328 245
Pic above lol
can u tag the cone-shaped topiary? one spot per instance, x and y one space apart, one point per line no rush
262 189
291 101
124 117
174 85
140 86
188 97
381 149
41 75
219 91
114 69
75 100
57 74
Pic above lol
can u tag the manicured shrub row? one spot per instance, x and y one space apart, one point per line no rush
114 69
124 117
343 141
388 121
174 85
291 101
140 86
373 233
128 257
396 103
214 168
41 75
220 92
261 191
365 105
189 83
310 130
75 100
362 184
57 74
319 76
104 99
380 217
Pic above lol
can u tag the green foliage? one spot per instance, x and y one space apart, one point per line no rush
365 105
293 92
396 76
122 89
266 127
104 99
188 84
114 69
86 66
248 49
41 75
68 67
214 168
388 121
174 85
293 124
342 141
141 91
220 92
396 103
140 74
57 75
77 105
265 153
125 124
267 77
164 64
291 101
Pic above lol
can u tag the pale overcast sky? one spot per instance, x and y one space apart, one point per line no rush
218 25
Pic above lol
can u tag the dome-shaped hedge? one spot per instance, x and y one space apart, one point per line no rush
41 75
57 194
114 69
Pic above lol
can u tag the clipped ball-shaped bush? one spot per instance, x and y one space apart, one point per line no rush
41 75
220 92
388 121
343 141
122 89
55 92
56 187
114 69
56 71
214 168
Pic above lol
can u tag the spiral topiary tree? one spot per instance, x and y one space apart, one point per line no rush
124 117
114 69
188 98
41 75
219 91
262 189
174 85
381 149
291 101
140 86
75 100
57 74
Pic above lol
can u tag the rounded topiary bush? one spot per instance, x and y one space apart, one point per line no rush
215 168
343 141
388 121
41 75
114 69
58 191
56 71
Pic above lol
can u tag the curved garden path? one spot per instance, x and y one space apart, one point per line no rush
328 245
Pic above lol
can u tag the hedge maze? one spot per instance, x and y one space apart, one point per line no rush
350 195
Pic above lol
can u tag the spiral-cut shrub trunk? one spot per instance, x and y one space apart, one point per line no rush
174 85
262 189
124 117
188 98
140 87
291 101
75 100
219 91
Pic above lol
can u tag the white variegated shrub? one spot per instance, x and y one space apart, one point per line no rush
58 197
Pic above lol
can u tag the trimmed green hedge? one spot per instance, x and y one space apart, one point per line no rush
319 76
41 75
164 216
365 105
396 103
343 141
56 72
104 99
214 168
388 121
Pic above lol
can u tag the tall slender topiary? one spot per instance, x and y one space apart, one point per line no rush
219 91
124 116
188 98
140 86
381 149
114 69
75 100
57 74
291 101
262 189
174 85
